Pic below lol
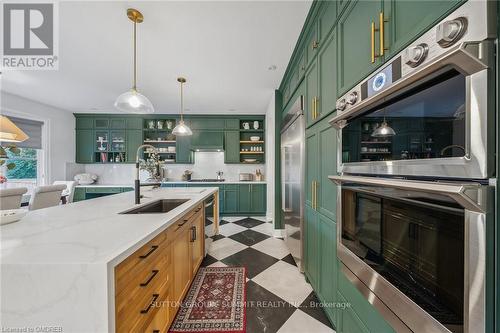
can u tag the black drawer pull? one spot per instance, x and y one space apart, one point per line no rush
154 272
146 310
197 210
153 249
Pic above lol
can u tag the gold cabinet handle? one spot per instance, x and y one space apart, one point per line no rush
315 45
312 194
316 106
382 37
313 115
373 29
316 195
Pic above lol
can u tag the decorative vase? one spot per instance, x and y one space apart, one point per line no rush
256 125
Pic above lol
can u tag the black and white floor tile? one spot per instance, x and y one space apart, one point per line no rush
279 300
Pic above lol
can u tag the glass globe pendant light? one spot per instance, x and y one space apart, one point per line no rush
132 101
182 129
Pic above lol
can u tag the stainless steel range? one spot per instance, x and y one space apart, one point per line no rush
430 111
415 213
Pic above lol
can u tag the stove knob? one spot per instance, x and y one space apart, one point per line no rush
341 104
449 32
352 98
416 54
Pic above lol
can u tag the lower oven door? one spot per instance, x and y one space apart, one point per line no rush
419 247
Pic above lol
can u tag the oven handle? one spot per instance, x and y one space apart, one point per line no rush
467 57
472 196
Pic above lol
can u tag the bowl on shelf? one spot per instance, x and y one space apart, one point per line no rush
249 160
254 138
171 149
11 215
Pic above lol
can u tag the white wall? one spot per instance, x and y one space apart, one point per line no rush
58 133
270 155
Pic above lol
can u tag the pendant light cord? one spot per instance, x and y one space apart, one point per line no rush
182 102
135 56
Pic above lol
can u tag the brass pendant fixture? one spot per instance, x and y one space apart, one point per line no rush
182 129
132 101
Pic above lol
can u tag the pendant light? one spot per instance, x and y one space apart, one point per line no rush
132 101
9 132
383 130
182 129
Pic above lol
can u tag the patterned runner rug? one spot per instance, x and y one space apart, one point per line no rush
215 302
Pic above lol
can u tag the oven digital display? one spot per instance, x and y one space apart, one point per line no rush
382 79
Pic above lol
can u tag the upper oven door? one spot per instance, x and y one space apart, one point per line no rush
433 119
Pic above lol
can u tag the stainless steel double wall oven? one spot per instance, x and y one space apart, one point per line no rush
415 209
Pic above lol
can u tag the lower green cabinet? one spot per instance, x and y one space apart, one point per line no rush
231 200
91 192
79 194
328 264
311 246
348 320
252 199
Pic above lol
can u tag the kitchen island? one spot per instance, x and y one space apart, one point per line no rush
58 264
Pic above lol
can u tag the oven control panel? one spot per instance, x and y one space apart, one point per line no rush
466 24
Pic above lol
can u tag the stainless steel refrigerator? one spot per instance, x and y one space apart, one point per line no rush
292 178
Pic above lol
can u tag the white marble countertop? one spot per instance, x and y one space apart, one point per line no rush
177 182
57 264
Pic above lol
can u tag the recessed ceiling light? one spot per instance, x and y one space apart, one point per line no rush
272 67
231 110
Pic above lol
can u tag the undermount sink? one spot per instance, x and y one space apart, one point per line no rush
156 207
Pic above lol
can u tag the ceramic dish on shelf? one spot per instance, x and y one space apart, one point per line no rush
11 215
250 160
254 138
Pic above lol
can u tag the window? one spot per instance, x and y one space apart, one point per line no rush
21 162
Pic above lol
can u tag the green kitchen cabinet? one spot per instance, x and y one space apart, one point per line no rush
245 198
311 43
327 77
354 45
311 246
134 123
232 146
326 166
84 146
231 198
257 198
312 159
101 123
84 123
312 94
326 19
207 139
232 123
207 123
79 194
328 264
406 20
134 140
184 153
348 320
117 123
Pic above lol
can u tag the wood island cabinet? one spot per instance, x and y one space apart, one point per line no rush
151 282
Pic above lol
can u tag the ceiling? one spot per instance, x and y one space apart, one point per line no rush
223 48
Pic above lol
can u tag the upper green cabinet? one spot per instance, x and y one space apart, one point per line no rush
407 19
207 139
134 140
84 146
327 77
207 123
355 44
312 94
326 19
232 147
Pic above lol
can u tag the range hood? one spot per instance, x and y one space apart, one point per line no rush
207 141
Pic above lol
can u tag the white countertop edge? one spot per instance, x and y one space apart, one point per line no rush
174 182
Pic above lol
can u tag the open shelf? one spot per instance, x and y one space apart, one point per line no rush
251 152
159 141
250 142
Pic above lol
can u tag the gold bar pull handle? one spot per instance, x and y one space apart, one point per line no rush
316 195
312 194
373 29
382 37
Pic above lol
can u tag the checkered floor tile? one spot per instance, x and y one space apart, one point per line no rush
279 300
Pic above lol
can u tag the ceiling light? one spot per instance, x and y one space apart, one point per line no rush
182 129
132 101
272 68
9 132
